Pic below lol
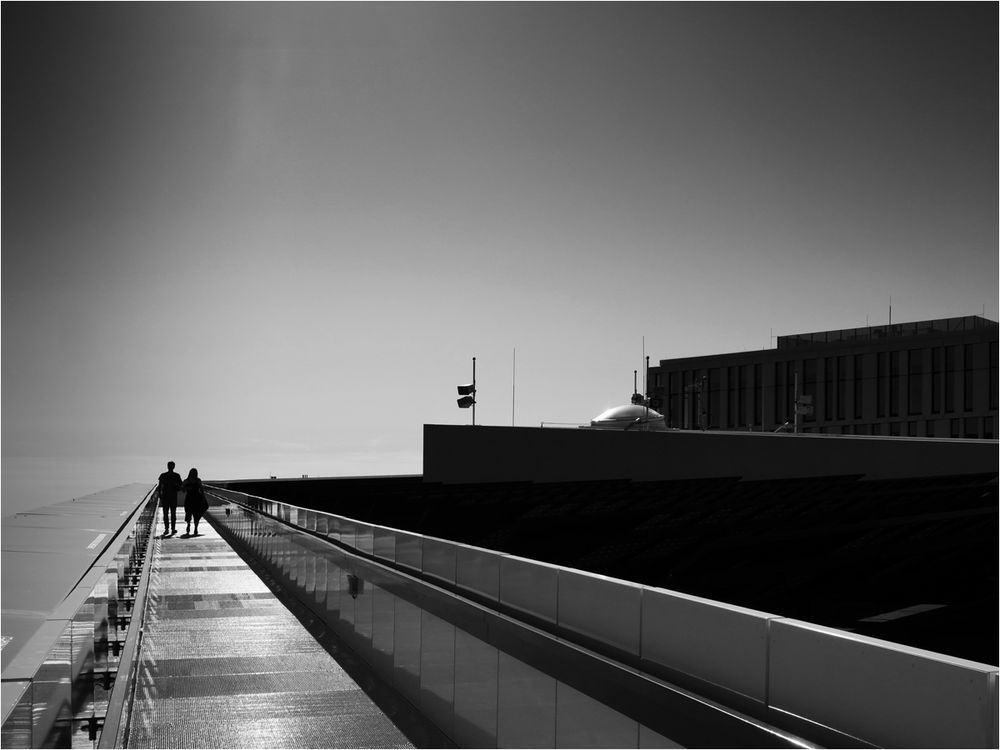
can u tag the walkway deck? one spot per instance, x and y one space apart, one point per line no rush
224 664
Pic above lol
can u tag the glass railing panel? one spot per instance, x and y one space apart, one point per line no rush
723 646
364 538
406 650
52 699
383 628
319 582
82 639
478 572
280 555
308 579
476 679
102 624
361 591
67 696
437 671
439 559
17 729
384 544
469 689
304 568
526 705
289 560
347 604
602 610
409 550
112 581
529 588
333 593
347 533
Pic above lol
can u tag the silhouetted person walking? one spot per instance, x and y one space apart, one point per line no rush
195 503
170 483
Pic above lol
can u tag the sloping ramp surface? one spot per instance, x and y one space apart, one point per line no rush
224 664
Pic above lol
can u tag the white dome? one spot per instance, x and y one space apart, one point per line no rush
620 417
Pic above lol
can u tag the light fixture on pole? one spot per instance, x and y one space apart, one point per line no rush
468 394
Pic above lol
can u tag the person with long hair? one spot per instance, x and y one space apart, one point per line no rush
195 503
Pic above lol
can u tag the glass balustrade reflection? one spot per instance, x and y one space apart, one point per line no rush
471 690
66 699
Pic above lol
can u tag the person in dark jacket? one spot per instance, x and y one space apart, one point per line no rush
195 502
170 482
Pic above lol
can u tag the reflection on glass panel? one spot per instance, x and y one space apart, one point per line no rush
406 650
437 670
297 560
82 638
409 550
281 555
478 571
333 528
347 603
364 538
476 674
614 621
52 718
582 721
361 592
526 705
333 578
319 595
468 688
103 633
347 533
528 588
309 576
439 559
17 728
384 544
383 629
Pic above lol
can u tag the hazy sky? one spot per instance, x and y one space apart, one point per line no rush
268 239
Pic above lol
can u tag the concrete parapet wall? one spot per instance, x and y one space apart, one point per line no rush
461 454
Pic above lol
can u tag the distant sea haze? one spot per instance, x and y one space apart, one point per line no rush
29 483
32 482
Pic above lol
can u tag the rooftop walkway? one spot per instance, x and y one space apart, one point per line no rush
224 663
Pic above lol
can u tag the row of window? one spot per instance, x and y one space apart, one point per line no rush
897 386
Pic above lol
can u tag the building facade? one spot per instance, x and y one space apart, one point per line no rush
933 378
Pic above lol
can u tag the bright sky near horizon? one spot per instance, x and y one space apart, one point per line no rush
269 238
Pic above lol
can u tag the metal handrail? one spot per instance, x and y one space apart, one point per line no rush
123 691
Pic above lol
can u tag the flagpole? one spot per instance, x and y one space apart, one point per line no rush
474 392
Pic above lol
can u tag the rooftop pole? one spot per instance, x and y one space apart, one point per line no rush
646 388
474 394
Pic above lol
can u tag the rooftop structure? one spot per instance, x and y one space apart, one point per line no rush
933 378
